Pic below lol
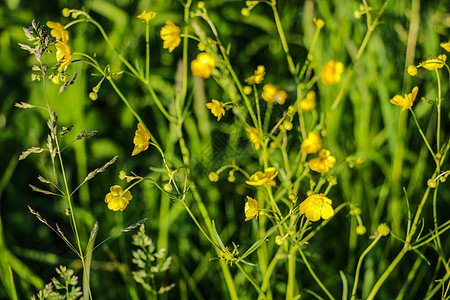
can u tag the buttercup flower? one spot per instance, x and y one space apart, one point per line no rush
407 101
309 103
202 66
117 198
323 163
271 93
258 76
446 46
250 209
63 55
412 70
216 108
140 140
58 31
254 137
434 63
319 22
260 178
170 34
147 16
331 72
317 206
312 144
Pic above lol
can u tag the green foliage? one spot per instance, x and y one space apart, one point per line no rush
64 287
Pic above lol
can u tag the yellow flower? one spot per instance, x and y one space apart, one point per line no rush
170 34
251 209
202 66
254 137
446 46
63 55
331 72
309 103
319 22
260 178
271 93
216 108
58 31
312 144
412 70
323 163
258 76
434 63
118 199
146 16
407 101
140 140
317 206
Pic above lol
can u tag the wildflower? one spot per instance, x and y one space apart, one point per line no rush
383 229
140 140
117 198
170 34
147 16
228 255
331 72
279 240
58 31
412 70
446 46
201 5
309 103
63 55
317 206
65 12
319 23
254 137
259 178
122 175
213 177
434 63
323 163
202 66
216 108
407 101
250 209
258 76
311 144
245 12
360 229
271 93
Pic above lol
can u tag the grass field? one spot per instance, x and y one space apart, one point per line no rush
224 149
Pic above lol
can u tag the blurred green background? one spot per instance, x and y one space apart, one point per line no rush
365 124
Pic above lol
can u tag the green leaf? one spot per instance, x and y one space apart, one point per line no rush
217 235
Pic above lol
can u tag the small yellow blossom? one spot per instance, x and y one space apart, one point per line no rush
213 177
203 65
312 144
118 199
360 229
259 178
309 103
434 63
122 175
407 101
323 163
58 31
65 12
279 240
140 140
446 46
216 108
383 229
271 93
201 5
228 256
319 22
63 55
317 206
251 208
254 137
332 71
412 70
170 34
258 76
147 16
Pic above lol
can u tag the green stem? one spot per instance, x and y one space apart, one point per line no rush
313 274
147 51
358 267
185 50
424 138
370 29
251 280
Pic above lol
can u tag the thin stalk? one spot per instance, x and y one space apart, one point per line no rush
358 266
313 274
251 280
291 273
147 51
185 50
425 139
